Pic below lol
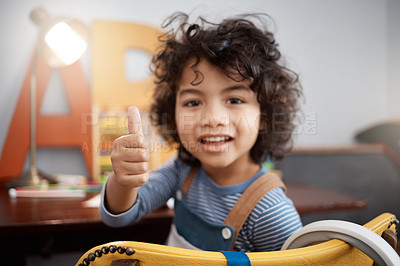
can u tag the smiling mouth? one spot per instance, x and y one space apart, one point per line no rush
216 139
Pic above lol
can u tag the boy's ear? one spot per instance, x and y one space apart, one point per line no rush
262 126
263 122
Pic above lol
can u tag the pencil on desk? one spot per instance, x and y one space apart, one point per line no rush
47 193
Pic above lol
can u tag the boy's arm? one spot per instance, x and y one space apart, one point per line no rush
129 160
161 186
118 198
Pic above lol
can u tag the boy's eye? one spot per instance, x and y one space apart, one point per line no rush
192 103
234 101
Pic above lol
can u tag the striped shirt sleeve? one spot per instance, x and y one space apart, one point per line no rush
159 188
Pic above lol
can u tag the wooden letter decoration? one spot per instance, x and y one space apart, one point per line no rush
111 41
65 130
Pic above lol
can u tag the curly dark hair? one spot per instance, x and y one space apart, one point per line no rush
242 51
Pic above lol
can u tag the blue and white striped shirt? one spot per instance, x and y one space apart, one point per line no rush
270 223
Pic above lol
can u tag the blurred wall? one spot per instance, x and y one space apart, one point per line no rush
346 53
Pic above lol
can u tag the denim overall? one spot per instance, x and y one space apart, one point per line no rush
192 231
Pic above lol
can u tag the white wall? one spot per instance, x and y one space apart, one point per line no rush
393 48
346 52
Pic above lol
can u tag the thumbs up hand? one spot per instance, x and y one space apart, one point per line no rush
130 154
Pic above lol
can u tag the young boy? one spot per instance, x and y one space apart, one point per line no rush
223 96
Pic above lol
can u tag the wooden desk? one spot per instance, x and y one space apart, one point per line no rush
309 199
45 226
35 225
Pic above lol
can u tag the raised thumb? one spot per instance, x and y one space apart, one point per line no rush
134 121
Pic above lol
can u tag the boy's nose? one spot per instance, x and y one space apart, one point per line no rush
215 117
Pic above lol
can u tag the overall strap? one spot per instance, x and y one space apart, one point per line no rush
249 199
189 179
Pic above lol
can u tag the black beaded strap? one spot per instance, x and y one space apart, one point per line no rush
105 250
396 222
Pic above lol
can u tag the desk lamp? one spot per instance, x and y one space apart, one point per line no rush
61 41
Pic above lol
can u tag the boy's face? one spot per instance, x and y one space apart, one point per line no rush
217 120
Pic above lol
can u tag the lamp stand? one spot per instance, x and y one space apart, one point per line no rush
33 177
